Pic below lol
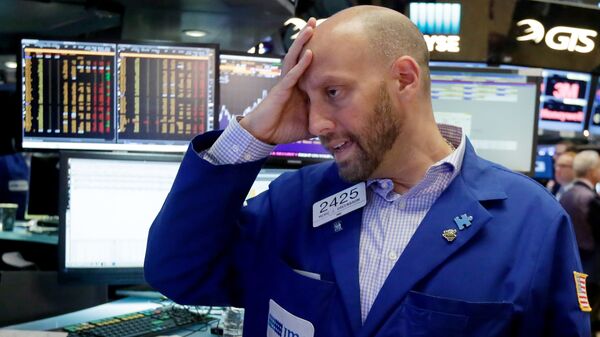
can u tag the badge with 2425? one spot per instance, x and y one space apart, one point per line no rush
282 323
339 204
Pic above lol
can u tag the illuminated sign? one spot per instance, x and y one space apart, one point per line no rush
298 24
439 23
560 37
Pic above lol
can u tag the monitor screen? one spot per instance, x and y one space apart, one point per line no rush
245 81
264 178
43 186
496 108
544 162
107 96
563 100
108 202
594 126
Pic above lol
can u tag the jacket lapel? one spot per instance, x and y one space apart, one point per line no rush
428 248
343 248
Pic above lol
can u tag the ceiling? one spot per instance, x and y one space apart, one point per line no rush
235 24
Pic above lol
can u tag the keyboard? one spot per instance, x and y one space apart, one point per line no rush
144 323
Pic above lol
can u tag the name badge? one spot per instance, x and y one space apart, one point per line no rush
282 323
339 204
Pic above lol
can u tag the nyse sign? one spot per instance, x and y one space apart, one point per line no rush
560 37
443 43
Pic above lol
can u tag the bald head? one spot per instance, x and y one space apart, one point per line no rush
388 33
382 32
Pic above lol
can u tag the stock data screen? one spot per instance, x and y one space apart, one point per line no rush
563 100
67 92
103 96
164 93
495 108
595 112
245 81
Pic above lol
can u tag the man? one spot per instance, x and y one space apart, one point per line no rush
560 148
563 173
577 200
407 233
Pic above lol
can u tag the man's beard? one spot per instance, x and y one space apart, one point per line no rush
372 143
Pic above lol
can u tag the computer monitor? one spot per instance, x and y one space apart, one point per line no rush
496 108
544 162
245 81
165 95
42 201
264 178
108 96
564 100
594 122
107 204
67 94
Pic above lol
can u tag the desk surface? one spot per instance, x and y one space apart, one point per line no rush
120 307
20 233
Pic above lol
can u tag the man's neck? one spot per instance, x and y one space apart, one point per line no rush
412 155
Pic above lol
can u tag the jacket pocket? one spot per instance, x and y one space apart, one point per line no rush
423 315
302 298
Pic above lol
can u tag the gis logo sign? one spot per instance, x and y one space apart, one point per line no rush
571 39
439 23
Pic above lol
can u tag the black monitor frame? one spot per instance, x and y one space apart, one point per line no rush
115 145
109 276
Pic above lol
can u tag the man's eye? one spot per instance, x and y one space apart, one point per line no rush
333 92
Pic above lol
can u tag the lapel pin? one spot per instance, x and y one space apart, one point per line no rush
337 226
463 221
449 234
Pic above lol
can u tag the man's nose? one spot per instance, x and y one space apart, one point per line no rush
320 121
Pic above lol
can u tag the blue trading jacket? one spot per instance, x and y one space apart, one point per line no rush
510 273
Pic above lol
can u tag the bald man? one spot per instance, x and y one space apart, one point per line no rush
406 233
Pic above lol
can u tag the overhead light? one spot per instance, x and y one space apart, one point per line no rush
586 133
10 64
194 33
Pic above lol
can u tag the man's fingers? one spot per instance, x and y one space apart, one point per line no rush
294 52
291 78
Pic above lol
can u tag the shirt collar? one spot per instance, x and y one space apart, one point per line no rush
454 135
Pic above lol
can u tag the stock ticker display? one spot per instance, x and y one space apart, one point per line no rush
563 100
80 95
68 90
163 92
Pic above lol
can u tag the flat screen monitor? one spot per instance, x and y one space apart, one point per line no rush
594 123
108 96
42 201
245 81
563 100
544 162
264 178
496 108
107 204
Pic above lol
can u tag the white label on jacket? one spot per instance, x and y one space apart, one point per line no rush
339 204
18 185
281 323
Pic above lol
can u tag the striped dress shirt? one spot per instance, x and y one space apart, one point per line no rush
389 219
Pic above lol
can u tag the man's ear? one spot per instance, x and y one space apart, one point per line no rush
406 73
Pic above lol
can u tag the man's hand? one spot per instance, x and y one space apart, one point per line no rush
282 117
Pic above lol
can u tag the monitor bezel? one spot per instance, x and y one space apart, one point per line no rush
115 145
108 276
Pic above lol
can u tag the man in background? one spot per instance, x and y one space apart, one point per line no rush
563 173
